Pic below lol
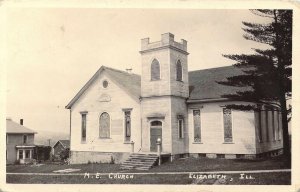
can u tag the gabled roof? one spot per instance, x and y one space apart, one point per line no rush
202 83
129 81
64 143
13 127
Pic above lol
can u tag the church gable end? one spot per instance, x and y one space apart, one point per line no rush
129 83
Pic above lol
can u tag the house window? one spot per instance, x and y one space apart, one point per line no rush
127 117
273 125
180 128
227 120
178 71
104 125
20 154
24 139
155 70
267 124
279 124
83 127
258 121
197 126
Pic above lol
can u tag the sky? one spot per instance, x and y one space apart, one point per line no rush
53 52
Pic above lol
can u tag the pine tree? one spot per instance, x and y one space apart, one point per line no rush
267 73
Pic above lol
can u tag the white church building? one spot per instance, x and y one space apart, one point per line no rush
117 113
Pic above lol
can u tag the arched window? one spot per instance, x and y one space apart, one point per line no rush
104 125
178 71
156 123
155 70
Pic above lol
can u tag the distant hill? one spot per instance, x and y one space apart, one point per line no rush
41 138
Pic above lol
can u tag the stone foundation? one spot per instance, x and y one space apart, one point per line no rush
177 156
211 155
194 155
85 157
237 156
230 156
250 156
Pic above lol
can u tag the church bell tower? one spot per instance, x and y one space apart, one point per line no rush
164 90
164 67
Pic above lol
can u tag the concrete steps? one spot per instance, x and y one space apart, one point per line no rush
140 161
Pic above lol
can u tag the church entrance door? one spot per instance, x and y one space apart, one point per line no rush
155 133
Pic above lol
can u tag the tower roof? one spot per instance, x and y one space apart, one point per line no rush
167 41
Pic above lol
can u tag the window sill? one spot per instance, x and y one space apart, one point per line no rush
228 143
105 138
197 143
83 142
128 142
155 79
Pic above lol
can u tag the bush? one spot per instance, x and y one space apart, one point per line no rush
65 154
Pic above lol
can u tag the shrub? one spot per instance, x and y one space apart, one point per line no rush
65 154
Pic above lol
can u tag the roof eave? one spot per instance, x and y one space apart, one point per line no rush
206 100
22 132
82 90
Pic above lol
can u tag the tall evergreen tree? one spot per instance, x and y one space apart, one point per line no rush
267 72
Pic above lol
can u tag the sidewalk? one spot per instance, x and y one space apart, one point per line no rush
161 173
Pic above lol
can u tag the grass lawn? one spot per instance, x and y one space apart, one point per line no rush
205 164
179 165
49 168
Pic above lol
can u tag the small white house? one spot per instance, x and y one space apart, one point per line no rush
117 112
19 143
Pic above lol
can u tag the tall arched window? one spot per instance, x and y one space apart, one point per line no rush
155 70
156 123
178 71
104 125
